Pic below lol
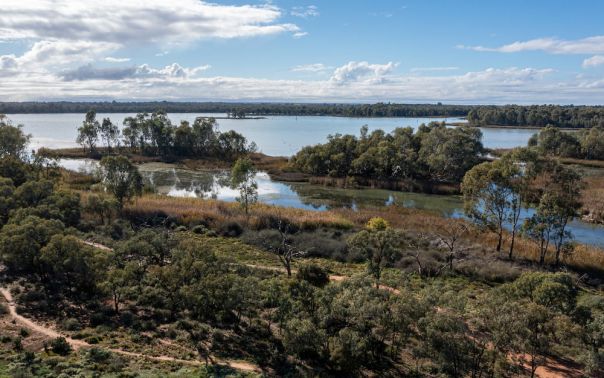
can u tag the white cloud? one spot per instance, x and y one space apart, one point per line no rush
45 55
111 59
315 67
125 21
596 60
589 45
305 12
433 69
300 34
355 71
144 71
352 82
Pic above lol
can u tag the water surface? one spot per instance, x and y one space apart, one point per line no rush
173 181
275 135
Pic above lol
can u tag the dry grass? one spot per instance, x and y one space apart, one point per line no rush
593 199
214 212
192 211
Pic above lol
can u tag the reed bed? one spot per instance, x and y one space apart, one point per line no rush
190 211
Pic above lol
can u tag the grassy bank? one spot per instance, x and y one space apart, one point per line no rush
222 216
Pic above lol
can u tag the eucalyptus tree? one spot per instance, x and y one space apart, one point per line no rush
242 178
88 133
379 243
490 197
121 178
13 142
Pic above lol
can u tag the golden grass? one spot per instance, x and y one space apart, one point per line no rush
195 210
593 199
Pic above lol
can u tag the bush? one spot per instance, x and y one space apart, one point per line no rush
71 324
98 355
3 309
60 346
24 332
231 229
313 274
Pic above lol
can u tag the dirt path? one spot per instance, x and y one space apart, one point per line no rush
79 344
97 245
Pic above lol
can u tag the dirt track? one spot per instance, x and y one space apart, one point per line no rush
78 344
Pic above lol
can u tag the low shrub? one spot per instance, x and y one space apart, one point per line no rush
60 346
71 324
313 274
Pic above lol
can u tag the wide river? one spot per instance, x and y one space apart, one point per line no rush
283 135
277 136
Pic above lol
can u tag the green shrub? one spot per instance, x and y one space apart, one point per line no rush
98 355
71 324
313 274
24 332
60 346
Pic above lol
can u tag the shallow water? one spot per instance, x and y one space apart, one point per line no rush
170 180
275 135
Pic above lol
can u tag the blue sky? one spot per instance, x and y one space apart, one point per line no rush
335 51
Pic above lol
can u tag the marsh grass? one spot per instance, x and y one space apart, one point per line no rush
480 244
214 213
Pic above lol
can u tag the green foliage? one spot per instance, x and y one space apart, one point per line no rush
313 274
13 142
60 346
380 246
434 152
88 133
71 267
154 134
242 178
21 242
121 178
556 291
494 195
586 144
538 115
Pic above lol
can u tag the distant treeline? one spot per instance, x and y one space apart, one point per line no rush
249 109
567 116
538 115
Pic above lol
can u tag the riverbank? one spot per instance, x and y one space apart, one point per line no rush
277 167
525 127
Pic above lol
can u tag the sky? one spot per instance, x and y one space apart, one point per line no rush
414 51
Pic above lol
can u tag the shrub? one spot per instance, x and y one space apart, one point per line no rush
60 346
3 309
231 229
313 274
98 355
71 324
24 332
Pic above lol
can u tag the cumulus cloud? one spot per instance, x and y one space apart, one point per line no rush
589 45
305 12
492 85
90 72
596 60
125 21
355 71
314 67
46 55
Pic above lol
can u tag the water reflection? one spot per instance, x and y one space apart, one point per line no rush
173 181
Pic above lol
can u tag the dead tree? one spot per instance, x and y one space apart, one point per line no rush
285 250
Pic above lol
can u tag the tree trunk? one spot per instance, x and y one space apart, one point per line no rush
511 253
